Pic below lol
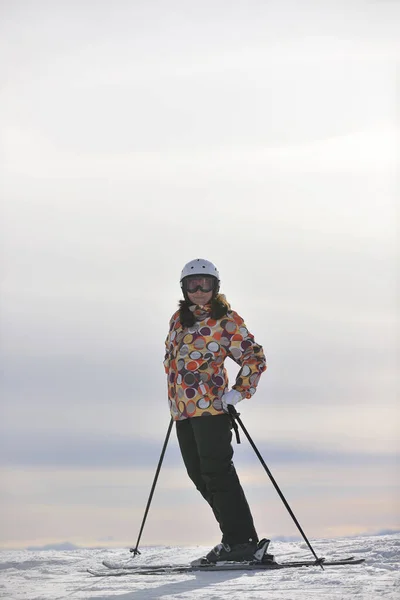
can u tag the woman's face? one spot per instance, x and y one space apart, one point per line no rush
200 298
199 288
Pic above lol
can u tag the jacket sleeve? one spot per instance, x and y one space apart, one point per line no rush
166 357
169 340
244 350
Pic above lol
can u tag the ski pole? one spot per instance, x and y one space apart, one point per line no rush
235 415
135 550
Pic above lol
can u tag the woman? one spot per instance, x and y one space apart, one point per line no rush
203 332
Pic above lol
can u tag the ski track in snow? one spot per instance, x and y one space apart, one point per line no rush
55 575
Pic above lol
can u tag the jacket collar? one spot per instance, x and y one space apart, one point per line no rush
200 312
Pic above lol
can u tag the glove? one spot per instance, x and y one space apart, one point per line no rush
232 397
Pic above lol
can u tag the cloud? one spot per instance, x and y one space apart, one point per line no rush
79 450
62 546
245 137
370 149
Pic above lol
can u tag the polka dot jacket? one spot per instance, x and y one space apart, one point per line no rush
194 362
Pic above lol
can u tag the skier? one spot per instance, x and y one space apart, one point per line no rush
202 333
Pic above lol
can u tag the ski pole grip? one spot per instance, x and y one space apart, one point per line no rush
233 415
232 411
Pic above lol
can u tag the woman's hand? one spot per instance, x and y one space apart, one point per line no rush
232 397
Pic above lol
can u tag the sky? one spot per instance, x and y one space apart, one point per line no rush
136 136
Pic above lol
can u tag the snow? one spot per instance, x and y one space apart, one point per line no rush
59 574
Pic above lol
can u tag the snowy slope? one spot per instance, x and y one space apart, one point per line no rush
52 575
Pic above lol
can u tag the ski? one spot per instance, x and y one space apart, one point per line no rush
128 564
227 566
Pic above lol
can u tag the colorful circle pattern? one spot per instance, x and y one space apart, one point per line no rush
194 363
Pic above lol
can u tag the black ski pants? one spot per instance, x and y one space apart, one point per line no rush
205 444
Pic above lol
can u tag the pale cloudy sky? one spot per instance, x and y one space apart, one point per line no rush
136 136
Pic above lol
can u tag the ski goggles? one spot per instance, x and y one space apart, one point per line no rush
204 283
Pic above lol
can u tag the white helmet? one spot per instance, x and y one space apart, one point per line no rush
199 266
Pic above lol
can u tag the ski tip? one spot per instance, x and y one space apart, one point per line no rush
92 572
116 564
